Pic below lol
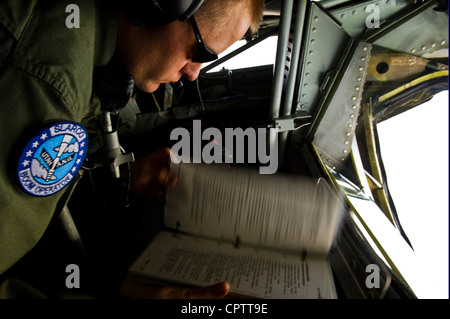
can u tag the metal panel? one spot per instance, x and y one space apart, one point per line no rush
354 17
324 43
334 135
421 32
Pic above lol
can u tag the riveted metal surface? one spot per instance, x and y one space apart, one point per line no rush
420 34
334 135
357 18
324 43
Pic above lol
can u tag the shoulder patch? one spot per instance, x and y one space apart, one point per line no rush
52 158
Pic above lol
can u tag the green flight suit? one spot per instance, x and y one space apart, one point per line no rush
46 71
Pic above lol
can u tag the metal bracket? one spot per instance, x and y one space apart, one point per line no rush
291 122
113 155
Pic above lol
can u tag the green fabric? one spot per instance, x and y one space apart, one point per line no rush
45 75
14 288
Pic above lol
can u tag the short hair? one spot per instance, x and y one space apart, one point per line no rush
215 10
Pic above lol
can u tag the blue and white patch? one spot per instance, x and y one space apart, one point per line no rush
52 158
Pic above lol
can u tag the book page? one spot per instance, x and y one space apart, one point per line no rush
250 272
263 210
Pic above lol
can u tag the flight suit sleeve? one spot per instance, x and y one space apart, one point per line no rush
45 76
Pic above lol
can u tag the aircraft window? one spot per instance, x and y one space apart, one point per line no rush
414 148
395 83
250 57
396 86
402 145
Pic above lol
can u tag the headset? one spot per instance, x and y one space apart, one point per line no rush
156 13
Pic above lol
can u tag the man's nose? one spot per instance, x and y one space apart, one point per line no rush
191 70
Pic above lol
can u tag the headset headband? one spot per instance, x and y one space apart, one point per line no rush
155 13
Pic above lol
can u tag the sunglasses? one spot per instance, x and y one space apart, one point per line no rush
203 54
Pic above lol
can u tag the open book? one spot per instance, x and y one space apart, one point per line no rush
267 235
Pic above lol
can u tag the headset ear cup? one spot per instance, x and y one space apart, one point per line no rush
191 10
155 13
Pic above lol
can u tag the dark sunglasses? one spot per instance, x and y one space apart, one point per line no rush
203 54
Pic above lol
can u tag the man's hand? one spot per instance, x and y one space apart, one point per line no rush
132 288
150 175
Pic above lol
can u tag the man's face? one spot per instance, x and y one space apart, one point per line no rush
163 55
